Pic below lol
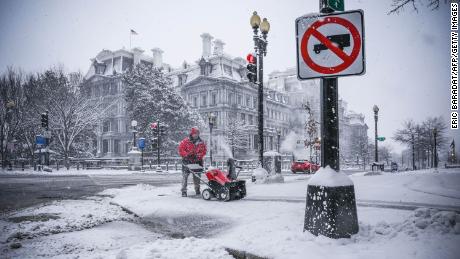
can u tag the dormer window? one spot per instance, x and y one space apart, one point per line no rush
99 67
182 79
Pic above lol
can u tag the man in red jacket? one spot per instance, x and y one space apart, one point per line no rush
192 149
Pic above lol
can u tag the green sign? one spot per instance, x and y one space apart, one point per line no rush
381 138
337 5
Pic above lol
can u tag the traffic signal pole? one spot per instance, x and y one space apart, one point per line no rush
159 143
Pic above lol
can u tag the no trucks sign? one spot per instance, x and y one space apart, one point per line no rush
330 45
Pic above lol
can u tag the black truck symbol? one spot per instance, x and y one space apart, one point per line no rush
342 40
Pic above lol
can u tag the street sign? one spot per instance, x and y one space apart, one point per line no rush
141 143
381 138
336 5
330 45
40 140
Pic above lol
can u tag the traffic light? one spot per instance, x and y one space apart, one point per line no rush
154 143
252 68
162 130
45 120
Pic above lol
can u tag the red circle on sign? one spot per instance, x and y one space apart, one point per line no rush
347 60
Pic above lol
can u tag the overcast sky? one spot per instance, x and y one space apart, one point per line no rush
407 54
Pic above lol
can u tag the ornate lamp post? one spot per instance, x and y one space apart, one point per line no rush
376 118
278 132
260 47
134 125
435 155
212 122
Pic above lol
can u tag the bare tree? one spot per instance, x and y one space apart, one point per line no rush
71 112
399 5
11 108
420 138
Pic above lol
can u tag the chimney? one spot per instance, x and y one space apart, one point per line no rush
157 57
206 37
218 47
137 55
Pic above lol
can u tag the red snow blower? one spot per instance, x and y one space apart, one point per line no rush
223 186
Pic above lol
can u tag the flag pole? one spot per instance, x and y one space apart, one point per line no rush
130 35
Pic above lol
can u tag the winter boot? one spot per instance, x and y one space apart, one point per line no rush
184 194
197 192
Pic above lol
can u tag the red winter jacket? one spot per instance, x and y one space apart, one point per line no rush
192 153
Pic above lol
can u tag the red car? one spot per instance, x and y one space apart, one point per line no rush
303 166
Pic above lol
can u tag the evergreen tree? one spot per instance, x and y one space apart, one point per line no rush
150 97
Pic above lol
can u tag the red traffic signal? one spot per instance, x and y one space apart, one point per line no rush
153 125
251 59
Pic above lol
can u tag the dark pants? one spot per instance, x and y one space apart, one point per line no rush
186 173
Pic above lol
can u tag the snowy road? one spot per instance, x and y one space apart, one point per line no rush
20 191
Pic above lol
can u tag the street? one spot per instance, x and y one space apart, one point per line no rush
20 191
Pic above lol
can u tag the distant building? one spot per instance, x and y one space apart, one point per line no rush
352 127
103 80
216 83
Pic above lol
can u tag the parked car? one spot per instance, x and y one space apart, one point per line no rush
303 166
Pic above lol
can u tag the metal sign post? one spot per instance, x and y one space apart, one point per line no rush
330 45
141 145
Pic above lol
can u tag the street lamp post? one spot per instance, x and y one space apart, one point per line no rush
376 118
435 134
212 122
260 47
279 139
134 125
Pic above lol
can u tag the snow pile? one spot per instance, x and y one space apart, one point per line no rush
326 176
438 221
271 153
176 248
58 217
262 176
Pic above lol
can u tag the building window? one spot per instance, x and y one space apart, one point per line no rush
97 91
243 118
248 101
230 98
204 100
250 122
106 89
213 98
115 126
195 101
116 146
254 100
113 89
240 99
105 146
228 70
106 126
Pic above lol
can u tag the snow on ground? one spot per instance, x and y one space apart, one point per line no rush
104 241
74 171
424 186
274 229
58 217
